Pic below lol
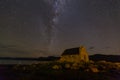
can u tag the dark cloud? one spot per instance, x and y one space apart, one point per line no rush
91 47
40 51
17 51
107 47
11 49
3 46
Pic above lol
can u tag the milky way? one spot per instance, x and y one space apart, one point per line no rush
58 7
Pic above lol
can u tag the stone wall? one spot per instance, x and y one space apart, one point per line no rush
82 56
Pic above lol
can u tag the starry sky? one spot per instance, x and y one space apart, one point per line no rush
35 28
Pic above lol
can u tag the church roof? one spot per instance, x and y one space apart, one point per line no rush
71 51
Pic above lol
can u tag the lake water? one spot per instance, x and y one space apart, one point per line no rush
20 61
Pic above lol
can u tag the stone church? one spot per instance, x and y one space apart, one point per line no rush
75 55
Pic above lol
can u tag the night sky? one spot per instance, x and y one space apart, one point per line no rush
34 28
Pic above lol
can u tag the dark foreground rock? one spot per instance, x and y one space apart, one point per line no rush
43 72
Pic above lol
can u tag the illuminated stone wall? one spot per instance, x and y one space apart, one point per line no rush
81 56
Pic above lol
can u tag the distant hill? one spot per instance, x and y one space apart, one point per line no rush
17 58
111 58
96 57
49 58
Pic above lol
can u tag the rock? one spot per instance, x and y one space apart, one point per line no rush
56 67
94 69
67 66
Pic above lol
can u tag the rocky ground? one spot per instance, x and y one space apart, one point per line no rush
100 70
